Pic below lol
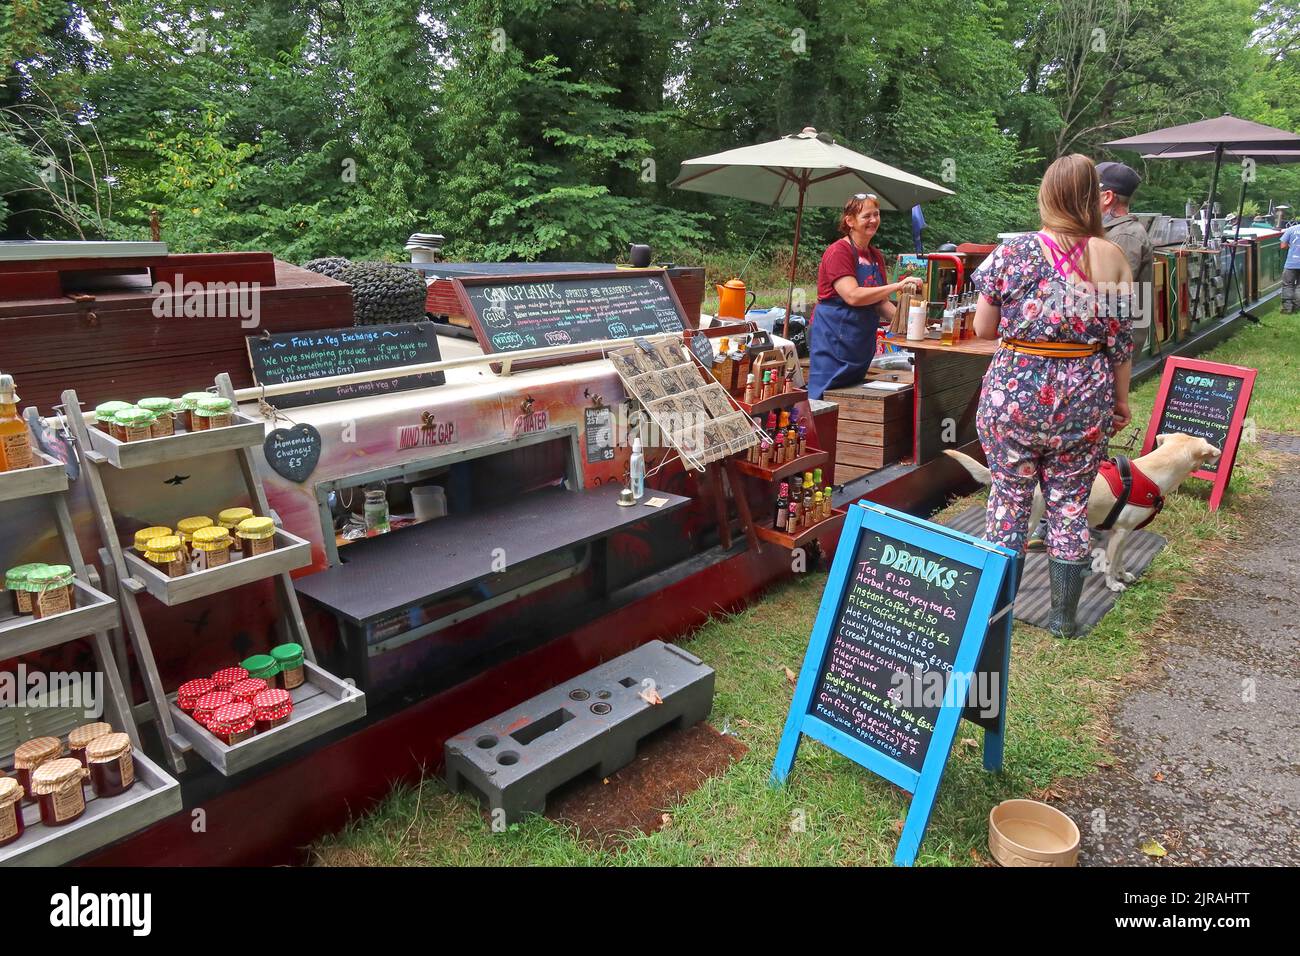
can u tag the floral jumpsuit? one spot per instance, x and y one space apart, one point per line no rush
1045 418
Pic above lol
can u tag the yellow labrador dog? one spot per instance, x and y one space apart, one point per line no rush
1175 456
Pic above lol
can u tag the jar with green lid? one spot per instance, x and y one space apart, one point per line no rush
185 406
145 535
263 666
210 548
133 424
289 659
230 517
162 410
51 590
256 536
212 411
104 413
167 555
18 581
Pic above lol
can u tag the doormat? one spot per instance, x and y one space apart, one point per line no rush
640 797
1034 599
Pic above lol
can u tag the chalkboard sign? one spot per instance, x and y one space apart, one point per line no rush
293 453
1208 400
892 661
298 356
514 313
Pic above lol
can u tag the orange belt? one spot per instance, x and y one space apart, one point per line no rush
1052 349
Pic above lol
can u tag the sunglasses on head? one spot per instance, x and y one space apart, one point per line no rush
861 196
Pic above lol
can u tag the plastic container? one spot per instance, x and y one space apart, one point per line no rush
11 810
429 502
289 659
256 536
376 512
56 785
111 764
51 590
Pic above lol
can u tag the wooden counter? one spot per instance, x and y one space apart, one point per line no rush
948 380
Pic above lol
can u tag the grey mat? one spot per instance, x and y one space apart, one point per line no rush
1034 599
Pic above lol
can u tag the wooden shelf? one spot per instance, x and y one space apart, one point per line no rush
153 796
244 433
290 552
806 462
94 611
784 400
829 525
45 478
321 704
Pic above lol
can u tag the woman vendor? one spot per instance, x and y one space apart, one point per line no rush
852 300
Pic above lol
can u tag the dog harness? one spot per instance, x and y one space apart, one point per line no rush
1130 487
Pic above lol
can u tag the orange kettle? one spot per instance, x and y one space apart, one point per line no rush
731 299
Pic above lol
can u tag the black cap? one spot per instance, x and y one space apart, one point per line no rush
1123 180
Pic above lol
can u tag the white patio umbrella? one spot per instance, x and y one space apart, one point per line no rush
803 169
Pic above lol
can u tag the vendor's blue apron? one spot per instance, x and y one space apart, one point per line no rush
843 338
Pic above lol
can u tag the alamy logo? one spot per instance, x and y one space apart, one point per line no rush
74 908
208 300
40 689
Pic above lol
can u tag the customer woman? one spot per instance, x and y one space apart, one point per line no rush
852 300
1057 388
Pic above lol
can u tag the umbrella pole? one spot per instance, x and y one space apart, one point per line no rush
1205 236
1232 257
794 260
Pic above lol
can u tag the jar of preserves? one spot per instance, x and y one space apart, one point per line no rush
248 688
186 527
51 590
230 517
289 658
210 548
133 424
209 703
213 411
262 666
167 555
104 413
163 411
228 677
30 755
185 406
83 735
271 708
256 536
188 694
111 764
233 722
17 581
11 810
145 535
56 785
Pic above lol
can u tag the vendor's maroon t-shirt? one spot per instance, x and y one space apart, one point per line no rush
841 259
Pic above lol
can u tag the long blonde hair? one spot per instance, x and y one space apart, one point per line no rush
1069 202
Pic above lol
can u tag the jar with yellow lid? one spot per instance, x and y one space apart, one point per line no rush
210 548
111 764
212 411
256 536
79 737
145 535
186 527
11 810
185 406
104 413
51 590
18 581
163 410
167 555
56 785
230 517
30 754
133 424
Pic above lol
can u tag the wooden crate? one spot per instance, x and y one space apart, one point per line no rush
875 428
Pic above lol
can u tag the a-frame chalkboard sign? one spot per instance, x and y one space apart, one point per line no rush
913 617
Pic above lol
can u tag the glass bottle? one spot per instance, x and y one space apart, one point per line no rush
949 321
376 510
15 442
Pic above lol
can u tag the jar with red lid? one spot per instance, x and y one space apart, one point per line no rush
232 723
30 755
81 736
11 810
111 765
56 785
188 694
227 676
271 708
206 705
248 688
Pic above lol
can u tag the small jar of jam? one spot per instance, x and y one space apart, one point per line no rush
248 688
289 659
256 536
185 406
30 755
210 548
51 590
133 424
232 723
271 708
208 704
83 735
11 810
227 677
186 527
188 694
56 785
104 413
230 517
213 411
262 666
162 409
111 765
16 581
167 555
145 535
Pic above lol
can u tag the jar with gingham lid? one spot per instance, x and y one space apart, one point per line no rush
30 755
111 765
79 737
56 786
11 810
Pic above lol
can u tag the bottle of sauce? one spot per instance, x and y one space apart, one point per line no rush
782 506
636 470
15 442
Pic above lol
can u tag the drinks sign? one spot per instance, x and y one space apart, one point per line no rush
896 654
1208 400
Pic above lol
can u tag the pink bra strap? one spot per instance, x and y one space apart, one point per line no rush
1070 258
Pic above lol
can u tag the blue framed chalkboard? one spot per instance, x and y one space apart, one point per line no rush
898 644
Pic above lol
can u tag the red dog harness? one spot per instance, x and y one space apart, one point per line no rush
1130 487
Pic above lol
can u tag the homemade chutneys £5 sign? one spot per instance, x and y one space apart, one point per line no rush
894 651
1208 400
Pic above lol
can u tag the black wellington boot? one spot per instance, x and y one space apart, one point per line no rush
1067 579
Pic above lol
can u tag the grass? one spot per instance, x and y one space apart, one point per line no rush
833 812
